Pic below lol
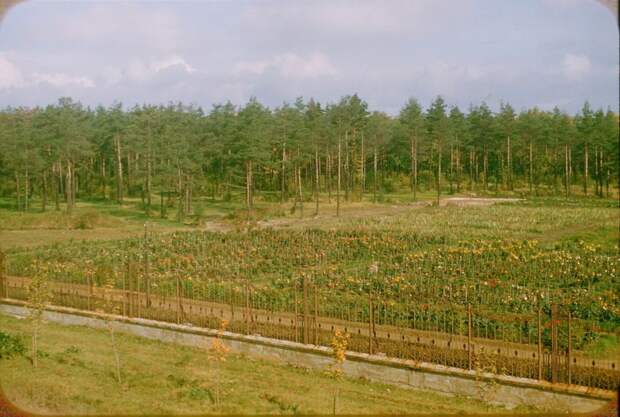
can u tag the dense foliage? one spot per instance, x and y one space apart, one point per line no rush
64 151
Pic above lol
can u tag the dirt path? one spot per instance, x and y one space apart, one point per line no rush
355 211
475 201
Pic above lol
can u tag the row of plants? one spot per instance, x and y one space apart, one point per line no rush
507 279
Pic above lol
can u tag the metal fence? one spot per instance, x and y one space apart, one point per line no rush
537 346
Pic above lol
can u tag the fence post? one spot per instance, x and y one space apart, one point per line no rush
296 311
3 291
469 337
124 297
147 276
139 292
554 343
90 289
247 308
371 320
316 315
232 302
178 309
130 285
569 350
539 343
306 312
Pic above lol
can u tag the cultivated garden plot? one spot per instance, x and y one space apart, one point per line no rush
497 289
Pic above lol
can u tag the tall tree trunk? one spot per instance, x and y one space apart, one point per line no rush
566 173
509 163
471 170
248 186
180 196
149 173
374 175
339 179
44 190
119 171
328 175
148 187
129 174
316 183
18 204
531 171
27 191
411 171
188 194
607 178
363 169
502 172
57 181
458 168
283 174
570 164
438 172
69 188
596 171
585 168
75 182
485 167
451 168
600 173
61 176
414 152
347 171
301 192
477 168
104 182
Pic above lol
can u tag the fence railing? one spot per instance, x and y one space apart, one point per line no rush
538 346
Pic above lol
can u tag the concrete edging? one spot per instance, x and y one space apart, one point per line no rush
494 389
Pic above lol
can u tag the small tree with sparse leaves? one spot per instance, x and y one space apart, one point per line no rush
217 353
108 305
339 344
39 296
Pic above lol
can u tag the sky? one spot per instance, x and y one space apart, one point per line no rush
529 53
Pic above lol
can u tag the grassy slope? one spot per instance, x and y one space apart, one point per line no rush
75 375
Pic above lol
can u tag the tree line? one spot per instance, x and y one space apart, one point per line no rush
170 155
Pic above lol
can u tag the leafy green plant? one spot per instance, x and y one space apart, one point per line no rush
10 346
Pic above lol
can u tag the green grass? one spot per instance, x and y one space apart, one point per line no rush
605 347
90 220
76 376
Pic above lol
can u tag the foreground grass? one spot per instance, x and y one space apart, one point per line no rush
76 375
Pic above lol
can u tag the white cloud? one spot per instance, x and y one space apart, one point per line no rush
11 76
290 66
138 70
61 80
172 62
576 66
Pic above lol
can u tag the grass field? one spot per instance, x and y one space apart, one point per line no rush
75 375
506 258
